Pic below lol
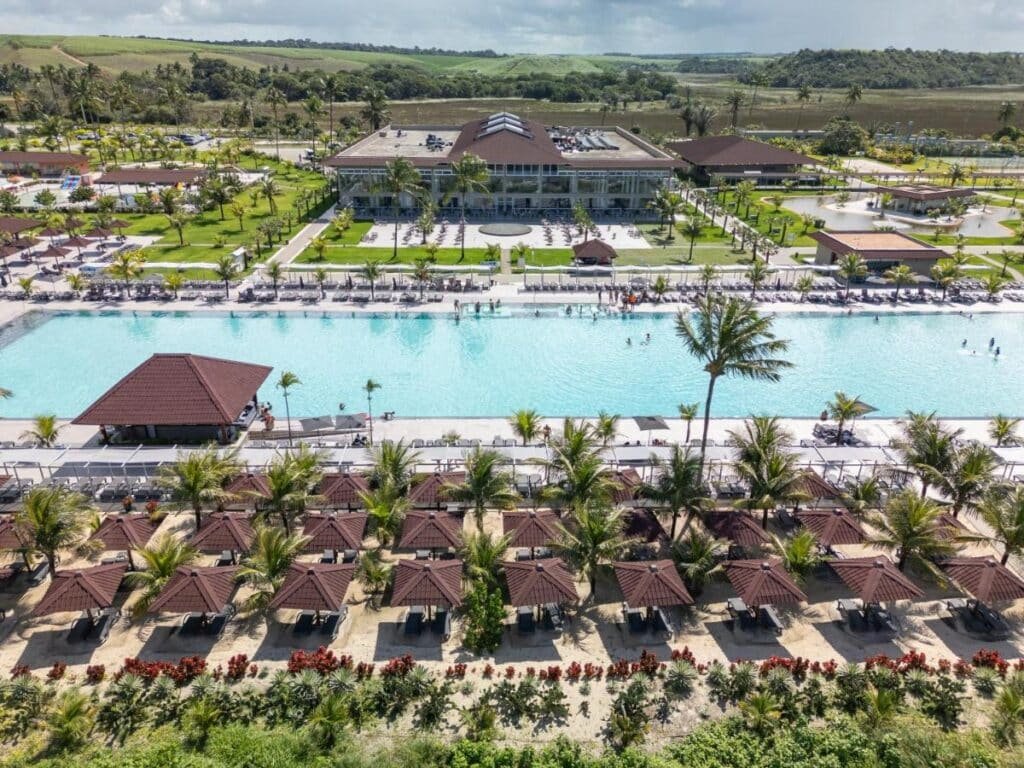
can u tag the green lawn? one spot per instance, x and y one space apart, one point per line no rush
351 254
702 254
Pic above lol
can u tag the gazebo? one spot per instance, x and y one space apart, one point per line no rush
988 581
248 491
832 527
738 527
225 533
543 584
202 594
428 492
9 538
761 585
125 533
180 398
330 533
88 590
642 524
428 530
875 580
650 586
343 491
531 529
314 589
422 585
628 483
594 252
811 486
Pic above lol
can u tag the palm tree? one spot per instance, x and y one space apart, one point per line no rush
277 101
468 175
369 388
695 556
863 495
945 274
26 284
375 112
127 266
1002 510
854 93
196 479
226 270
761 712
734 101
693 229
386 509
732 339
899 275
482 554
485 485
771 476
708 273
44 432
968 477
803 95
275 272
688 412
285 383
927 447
71 719
269 189
606 428
371 272
595 537
678 486
273 552
799 554
422 272
400 178
757 273
1003 430
290 481
910 525
161 559
393 464
320 276
760 436
843 409
51 518
373 573
667 204
851 267
993 283
526 425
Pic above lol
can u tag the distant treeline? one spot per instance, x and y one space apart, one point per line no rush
724 65
890 68
307 43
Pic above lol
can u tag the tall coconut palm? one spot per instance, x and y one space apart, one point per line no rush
760 436
692 230
772 479
277 101
485 485
196 479
945 274
688 412
863 495
851 267
1002 510
386 510
732 339
160 560
127 266
468 175
899 276
371 272
285 383
375 111
1003 430
51 519
526 424
226 270
594 537
844 409
968 477
273 552
667 204
482 554
583 482
374 574
926 446
678 486
910 525
393 463
696 559
400 178
290 482
606 427
369 388
44 432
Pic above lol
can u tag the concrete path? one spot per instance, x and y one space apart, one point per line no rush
294 247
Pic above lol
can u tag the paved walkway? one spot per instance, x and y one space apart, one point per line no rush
294 247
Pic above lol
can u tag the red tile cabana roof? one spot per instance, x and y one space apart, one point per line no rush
643 524
427 529
248 490
533 528
813 486
832 526
224 530
343 490
427 492
629 482
314 586
651 583
86 589
196 590
344 531
875 579
763 582
537 582
739 527
178 389
124 531
985 578
428 582
9 538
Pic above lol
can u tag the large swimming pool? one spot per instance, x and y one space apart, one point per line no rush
492 365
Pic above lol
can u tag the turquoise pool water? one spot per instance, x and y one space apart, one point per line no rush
492 365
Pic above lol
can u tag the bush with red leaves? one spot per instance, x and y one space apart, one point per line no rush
237 666
185 671
992 659
95 673
321 660
510 672
592 671
684 655
488 671
573 671
57 671
552 674
797 667
400 666
456 671
364 669
20 670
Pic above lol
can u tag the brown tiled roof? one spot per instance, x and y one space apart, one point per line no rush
427 492
14 225
813 486
225 530
739 527
344 531
342 490
247 490
922 192
196 590
948 527
875 579
641 523
629 482
536 582
314 586
763 582
82 590
594 252
9 538
178 389
874 245
160 176
124 531
651 583
505 147
535 528
428 582
59 159
832 526
427 529
721 151
985 578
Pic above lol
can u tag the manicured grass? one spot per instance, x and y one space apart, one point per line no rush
657 235
702 254
769 222
351 236
350 254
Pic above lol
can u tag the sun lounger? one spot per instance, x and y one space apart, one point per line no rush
769 619
413 624
227 557
97 629
442 623
662 623
39 574
635 620
422 554
522 554
979 618
524 620
205 624
349 556
553 618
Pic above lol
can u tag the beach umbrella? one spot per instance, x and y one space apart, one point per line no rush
985 578
875 579
225 531
52 232
334 532
650 423
119 224
52 252
651 583
763 582
533 528
538 582
196 590
314 587
99 233
427 529
738 527
125 532
87 589
832 526
428 583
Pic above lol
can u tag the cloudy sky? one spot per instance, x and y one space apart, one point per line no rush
549 26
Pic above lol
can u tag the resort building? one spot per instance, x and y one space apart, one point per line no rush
922 199
179 398
880 250
734 158
42 163
533 170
